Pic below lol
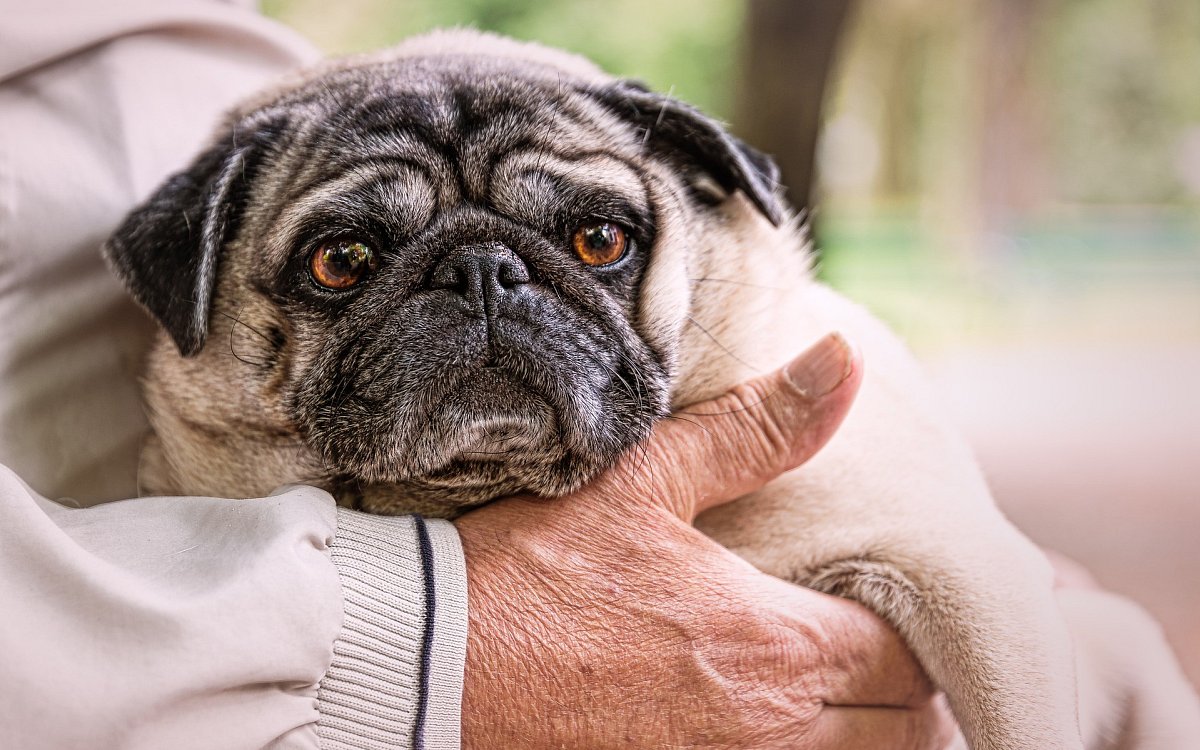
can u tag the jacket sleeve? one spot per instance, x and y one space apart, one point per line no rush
203 622
396 677
165 622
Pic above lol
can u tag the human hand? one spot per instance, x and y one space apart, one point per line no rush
603 619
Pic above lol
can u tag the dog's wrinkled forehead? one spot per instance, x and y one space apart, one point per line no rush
465 109
416 136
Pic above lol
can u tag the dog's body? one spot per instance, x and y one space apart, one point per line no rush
431 387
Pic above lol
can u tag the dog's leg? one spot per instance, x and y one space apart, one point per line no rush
971 597
1132 693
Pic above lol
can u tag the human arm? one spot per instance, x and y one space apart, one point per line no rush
204 622
151 623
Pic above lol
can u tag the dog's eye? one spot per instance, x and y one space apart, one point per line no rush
341 264
599 243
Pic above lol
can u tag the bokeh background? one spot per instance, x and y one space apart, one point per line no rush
1014 185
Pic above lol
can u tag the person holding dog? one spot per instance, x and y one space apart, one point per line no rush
284 622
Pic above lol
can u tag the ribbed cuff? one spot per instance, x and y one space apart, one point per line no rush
396 676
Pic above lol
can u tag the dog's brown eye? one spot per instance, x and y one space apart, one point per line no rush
341 264
599 243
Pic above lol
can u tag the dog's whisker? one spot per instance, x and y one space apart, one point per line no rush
724 348
752 285
676 417
767 397
237 321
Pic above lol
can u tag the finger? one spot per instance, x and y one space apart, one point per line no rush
928 727
863 660
722 449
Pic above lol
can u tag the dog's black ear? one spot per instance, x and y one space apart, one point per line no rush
672 124
167 250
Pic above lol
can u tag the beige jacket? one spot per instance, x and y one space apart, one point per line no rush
170 622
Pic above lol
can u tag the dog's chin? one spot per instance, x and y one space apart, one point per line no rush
470 480
489 436
489 418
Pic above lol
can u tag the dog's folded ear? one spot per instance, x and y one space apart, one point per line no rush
167 250
679 127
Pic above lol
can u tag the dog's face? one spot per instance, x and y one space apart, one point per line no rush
458 269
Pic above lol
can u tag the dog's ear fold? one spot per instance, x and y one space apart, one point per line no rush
676 126
167 250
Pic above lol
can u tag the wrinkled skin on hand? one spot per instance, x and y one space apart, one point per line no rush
604 620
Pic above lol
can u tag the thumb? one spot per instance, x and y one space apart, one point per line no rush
718 450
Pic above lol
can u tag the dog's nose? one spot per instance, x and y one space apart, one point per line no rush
482 274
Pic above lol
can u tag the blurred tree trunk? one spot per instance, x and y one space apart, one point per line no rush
788 52
1012 172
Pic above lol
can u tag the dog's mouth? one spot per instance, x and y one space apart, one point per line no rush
466 424
490 417
493 438
488 434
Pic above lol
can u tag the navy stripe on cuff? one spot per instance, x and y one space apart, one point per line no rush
427 640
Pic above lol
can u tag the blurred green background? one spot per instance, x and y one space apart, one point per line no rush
680 44
1013 184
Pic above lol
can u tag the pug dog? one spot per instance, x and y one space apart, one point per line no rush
468 267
